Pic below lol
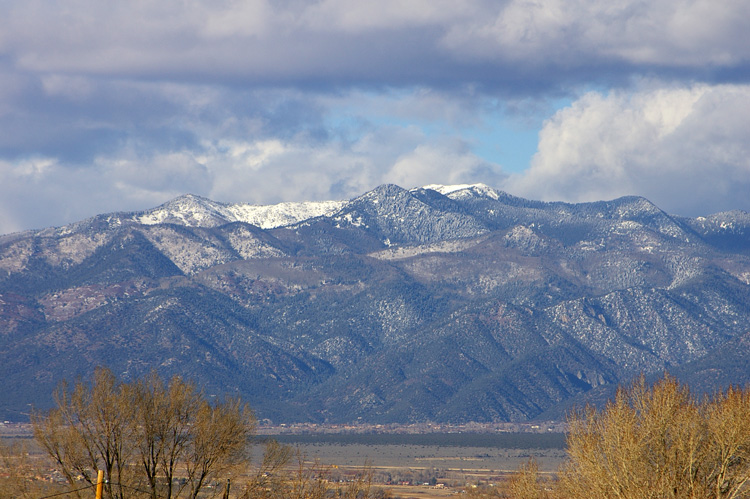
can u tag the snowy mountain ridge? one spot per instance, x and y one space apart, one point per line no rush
461 191
191 210
195 211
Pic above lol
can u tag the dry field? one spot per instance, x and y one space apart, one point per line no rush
431 471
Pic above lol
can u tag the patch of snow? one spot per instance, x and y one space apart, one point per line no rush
629 225
402 252
590 245
152 218
282 214
350 220
456 190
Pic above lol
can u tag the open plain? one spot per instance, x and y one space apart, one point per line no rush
429 466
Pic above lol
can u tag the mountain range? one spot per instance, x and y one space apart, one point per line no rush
440 303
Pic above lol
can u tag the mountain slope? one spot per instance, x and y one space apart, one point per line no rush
444 303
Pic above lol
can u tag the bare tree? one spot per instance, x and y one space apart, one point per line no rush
163 430
660 442
90 430
270 476
527 482
145 435
360 486
220 438
287 474
727 467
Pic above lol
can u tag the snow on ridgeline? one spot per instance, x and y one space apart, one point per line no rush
460 191
279 215
196 211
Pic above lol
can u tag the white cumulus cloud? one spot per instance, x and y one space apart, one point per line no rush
686 149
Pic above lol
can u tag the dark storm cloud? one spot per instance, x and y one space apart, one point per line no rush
496 44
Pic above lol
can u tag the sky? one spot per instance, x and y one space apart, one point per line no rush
118 106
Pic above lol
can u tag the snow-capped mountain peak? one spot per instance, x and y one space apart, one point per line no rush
189 210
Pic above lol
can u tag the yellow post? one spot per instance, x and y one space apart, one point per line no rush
226 491
99 484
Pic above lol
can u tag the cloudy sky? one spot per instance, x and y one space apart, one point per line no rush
110 106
